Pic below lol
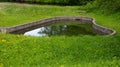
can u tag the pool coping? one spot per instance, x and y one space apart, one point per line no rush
83 20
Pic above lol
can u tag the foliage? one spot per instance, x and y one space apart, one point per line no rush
55 2
107 6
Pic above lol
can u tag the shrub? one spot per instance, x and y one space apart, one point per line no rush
109 6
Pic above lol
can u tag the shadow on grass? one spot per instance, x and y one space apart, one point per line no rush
44 3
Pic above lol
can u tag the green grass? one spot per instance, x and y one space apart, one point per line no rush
13 14
57 51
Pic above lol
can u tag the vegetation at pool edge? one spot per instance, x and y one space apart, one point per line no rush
81 51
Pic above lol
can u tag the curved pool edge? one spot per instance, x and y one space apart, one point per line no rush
104 29
84 20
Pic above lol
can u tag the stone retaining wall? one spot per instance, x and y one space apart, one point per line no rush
83 20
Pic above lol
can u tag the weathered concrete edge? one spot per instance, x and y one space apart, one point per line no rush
85 20
102 28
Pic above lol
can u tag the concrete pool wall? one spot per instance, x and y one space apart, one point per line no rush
83 20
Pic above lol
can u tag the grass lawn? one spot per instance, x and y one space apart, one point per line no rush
57 51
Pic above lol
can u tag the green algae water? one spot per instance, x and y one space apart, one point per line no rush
62 29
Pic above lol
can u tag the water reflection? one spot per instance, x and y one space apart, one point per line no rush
70 29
